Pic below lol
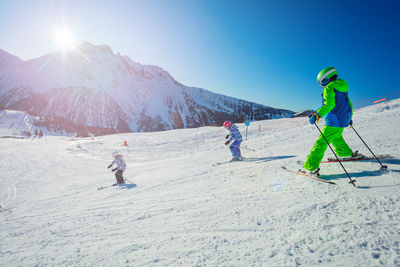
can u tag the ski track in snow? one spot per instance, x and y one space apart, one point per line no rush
184 211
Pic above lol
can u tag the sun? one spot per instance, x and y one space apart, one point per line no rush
64 38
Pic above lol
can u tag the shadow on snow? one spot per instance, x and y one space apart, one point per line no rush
391 161
265 159
127 186
360 175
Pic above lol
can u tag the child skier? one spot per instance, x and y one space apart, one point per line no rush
121 166
337 111
234 135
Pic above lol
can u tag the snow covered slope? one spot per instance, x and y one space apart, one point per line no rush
182 210
92 86
19 124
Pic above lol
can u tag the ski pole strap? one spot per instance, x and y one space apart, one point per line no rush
316 116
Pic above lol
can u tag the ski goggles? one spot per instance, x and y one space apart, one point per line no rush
324 82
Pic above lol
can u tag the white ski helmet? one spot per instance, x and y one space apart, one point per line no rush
116 154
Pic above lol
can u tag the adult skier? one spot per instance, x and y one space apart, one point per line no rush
121 166
337 111
235 136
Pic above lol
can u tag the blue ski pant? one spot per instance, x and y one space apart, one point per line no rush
235 149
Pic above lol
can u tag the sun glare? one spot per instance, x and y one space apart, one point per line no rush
65 39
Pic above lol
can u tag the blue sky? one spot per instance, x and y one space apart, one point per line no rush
269 52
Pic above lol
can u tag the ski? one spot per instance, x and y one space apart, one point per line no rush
332 160
220 163
103 187
124 185
225 162
308 175
329 160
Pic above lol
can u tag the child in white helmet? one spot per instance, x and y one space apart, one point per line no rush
121 166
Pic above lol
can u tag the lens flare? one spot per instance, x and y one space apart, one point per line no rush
64 38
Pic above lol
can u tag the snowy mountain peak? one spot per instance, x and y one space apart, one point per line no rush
7 59
91 85
90 48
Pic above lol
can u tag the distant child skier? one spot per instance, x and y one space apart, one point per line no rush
337 111
235 136
121 166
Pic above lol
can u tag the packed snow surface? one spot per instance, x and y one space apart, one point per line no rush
183 210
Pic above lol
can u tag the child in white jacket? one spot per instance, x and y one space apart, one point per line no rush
121 166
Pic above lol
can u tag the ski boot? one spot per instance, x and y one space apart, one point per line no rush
357 155
353 156
314 172
234 159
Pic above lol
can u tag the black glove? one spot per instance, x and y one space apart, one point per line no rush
227 136
351 122
113 170
227 142
109 166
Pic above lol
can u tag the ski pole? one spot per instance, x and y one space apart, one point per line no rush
249 149
128 180
245 148
351 181
382 166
